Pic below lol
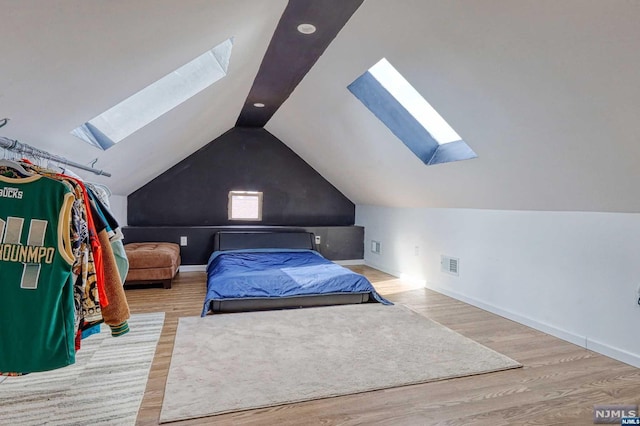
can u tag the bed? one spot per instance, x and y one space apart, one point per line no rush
277 270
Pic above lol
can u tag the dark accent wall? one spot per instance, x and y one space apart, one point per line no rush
195 191
337 242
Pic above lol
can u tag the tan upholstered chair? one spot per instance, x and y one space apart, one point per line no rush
152 263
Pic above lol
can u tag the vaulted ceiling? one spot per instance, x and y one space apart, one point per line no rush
544 91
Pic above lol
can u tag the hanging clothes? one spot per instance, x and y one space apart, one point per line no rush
60 277
116 312
37 304
113 307
115 233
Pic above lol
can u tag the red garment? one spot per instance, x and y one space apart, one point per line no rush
96 248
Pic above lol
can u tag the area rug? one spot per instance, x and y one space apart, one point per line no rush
232 362
104 386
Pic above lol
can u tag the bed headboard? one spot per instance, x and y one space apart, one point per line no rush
237 240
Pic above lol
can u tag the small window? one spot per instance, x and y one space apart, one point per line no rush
409 116
245 205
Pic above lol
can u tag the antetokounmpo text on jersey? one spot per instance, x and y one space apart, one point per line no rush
26 254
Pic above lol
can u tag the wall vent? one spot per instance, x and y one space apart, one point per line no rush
375 247
450 265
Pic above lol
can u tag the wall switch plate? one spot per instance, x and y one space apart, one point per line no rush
183 241
318 239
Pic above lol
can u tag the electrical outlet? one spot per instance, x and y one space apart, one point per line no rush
183 241
416 251
318 239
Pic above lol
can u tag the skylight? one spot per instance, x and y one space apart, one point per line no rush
408 115
413 101
158 98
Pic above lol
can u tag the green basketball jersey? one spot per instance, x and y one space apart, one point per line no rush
36 284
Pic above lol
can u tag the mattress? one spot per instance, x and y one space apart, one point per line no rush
278 278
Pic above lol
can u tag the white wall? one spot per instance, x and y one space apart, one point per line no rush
118 205
574 275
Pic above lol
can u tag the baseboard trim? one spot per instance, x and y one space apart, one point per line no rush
193 268
582 341
576 339
350 262
560 333
612 352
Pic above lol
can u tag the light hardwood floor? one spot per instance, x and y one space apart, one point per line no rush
559 383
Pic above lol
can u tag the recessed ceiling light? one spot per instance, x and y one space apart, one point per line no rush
307 28
258 105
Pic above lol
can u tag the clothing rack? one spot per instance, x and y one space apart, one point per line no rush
13 145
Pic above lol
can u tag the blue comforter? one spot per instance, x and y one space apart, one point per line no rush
263 273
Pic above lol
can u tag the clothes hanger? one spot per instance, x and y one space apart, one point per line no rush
15 166
101 186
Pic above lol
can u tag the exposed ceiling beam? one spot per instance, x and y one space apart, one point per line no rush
291 54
